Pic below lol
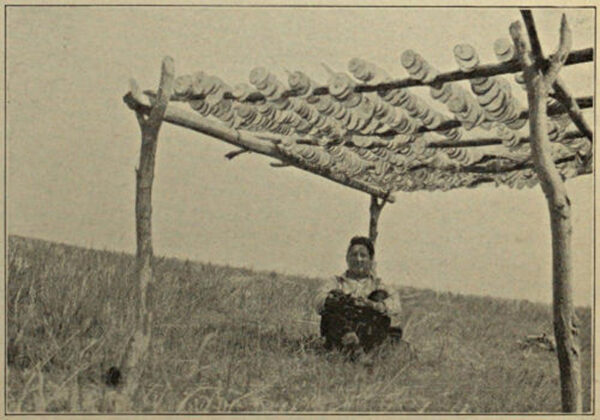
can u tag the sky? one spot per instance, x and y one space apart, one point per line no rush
72 146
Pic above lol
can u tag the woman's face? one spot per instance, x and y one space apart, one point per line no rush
358 260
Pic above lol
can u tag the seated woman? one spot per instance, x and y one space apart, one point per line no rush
356 308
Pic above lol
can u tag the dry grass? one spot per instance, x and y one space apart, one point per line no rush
233 340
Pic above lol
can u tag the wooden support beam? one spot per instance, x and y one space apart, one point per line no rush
478 168
247 140
536 53
444 144
568 104
150 126
563 95
539 82
433 144
580 103
488 70
374 213
475 169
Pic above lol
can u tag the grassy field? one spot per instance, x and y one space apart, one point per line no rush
234 340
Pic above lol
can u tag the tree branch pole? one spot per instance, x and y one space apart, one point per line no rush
573 109
565 324
488 70
150 126
482 142
374 212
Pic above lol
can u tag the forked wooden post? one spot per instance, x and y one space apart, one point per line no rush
150 126
539 77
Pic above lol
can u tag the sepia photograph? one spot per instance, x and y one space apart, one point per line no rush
299 209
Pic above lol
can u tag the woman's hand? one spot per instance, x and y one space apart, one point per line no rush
378 306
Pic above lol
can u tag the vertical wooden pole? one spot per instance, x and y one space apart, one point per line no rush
150 127
374 212
539 80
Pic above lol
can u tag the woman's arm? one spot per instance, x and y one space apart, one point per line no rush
392 303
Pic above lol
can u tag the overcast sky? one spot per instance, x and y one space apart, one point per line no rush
73 146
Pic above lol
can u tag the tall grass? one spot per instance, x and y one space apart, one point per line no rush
233 340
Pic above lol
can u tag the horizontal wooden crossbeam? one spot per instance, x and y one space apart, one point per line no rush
512 66
518 167
247 140
583 102
569 106
264 139
489 70
443 144
477 168
433 144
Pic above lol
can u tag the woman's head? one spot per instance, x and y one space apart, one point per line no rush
359 256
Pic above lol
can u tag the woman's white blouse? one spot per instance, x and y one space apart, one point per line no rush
360 288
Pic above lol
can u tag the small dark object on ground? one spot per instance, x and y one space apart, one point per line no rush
344 314
112 377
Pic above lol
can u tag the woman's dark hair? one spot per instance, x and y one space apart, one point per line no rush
362 240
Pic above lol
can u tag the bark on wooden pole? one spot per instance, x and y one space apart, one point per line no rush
150 126
565 323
